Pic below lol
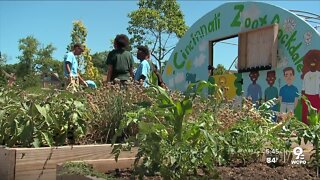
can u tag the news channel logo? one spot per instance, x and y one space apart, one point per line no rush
298 156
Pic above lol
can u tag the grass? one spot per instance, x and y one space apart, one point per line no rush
82 169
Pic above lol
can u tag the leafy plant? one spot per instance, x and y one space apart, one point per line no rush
311 133
169 141
108 106
82 169
36 120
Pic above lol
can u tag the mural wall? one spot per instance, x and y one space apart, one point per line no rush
298 60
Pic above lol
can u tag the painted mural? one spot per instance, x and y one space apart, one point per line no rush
298 59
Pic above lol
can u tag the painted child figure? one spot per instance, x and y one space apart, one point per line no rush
271 92
288 95
311 82
254 90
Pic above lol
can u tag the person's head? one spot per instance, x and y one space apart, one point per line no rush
271 77
288 73
254 76
210 70
312 60
77 49
121 42
143 53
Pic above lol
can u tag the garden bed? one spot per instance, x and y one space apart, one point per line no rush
40 163
258 170
251 172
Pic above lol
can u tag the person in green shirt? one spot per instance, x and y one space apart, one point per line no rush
120 60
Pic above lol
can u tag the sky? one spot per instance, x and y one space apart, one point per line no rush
51 21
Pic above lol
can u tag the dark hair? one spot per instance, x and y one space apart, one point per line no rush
288 69
254 71
78 45
144 49
210 67
271 72
122 41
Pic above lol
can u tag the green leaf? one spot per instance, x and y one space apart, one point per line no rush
36 142
187 106
48 138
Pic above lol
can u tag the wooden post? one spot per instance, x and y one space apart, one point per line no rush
7 163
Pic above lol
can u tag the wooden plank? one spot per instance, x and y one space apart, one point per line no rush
106 165
47 174
275 46
33 160
7 163
36 158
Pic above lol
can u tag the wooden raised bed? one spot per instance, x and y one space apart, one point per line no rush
40 163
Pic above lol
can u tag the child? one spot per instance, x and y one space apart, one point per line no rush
144 69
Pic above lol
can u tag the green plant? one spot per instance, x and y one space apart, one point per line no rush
170 141
40 120
82 169
311 133
108 105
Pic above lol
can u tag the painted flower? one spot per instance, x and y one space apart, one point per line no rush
169 69
307 38
199 60
283 62
203 46
189 65
289 24
180 77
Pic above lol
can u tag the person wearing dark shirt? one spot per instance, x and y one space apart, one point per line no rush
120 60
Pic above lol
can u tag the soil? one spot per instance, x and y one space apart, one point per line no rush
262 171
255 171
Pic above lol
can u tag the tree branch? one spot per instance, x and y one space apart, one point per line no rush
165 43
164 54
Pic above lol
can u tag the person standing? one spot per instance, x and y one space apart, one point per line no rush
144 68
71 73
120 60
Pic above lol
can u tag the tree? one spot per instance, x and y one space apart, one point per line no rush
155 24
3 59
29 47
79 35
99 61
220 69
44 59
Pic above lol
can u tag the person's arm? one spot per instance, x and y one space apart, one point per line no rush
82 81
145 69
109 63
295 102
68 69
159 77
131 67
110 69
303 86
131 72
